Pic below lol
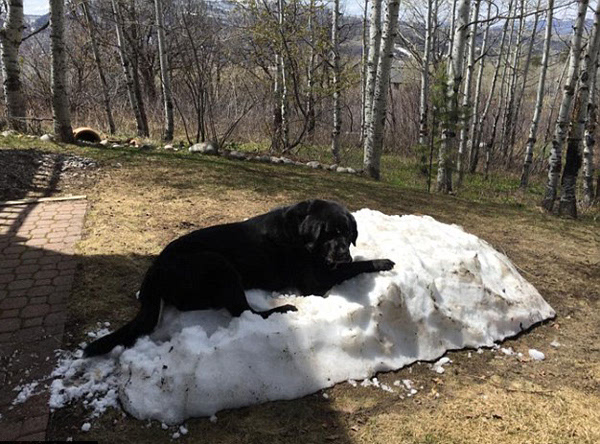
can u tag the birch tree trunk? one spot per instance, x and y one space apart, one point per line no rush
91 25
590 141
455 72
337 109
509 117
452 28
474 135
126 65
521 93
573 159
372 62
466 102
424 97
284 90
61 113
375 131
310 81
562 122
11 35
539 98
164 71
134 53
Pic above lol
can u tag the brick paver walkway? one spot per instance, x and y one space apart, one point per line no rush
37 266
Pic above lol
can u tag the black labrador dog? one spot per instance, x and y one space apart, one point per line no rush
303 247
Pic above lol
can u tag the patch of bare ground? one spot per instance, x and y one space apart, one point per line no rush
486 397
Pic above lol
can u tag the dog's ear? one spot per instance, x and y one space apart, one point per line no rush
353 229
293 217
310 231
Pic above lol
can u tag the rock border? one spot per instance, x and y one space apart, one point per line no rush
208 149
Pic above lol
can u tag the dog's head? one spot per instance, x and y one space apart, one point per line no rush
325 228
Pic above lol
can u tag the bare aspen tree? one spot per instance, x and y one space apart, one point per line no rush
283 78
562 121
363 70
525 74
61 113
165 75
424 96
127 70
310 72
539 98
11 35
573 159
501 96
335 56
466 102
450 123
590 141
376 125
452 28
372 61
91 25
473 133
509 115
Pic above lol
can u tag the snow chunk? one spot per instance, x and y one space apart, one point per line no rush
25 392
438 366
86 427
536 355
448 290
555 344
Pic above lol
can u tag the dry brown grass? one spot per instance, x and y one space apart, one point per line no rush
485 398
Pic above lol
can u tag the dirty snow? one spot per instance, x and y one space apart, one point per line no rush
448 290
25 392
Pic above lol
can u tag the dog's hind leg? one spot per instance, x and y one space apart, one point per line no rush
206 280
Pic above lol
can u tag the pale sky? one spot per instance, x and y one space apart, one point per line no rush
35 7
353 7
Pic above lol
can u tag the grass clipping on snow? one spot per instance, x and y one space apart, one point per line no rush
448 290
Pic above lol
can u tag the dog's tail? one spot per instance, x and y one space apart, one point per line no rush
142 324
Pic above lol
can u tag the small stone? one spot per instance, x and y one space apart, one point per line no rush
204 148
168 147
8 133
46 138
313 164
104 142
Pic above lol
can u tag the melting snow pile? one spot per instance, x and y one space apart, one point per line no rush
448 290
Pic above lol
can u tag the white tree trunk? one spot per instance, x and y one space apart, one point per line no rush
91 25
474 135
310 73
372 62
573 159
337 108
424 97
11 35
376 128
165 75
521 92
562 121
539 98
509 115
455 72
127 68
363 72
61 113
466 102
590 141
285 133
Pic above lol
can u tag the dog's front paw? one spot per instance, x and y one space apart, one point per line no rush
383 264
